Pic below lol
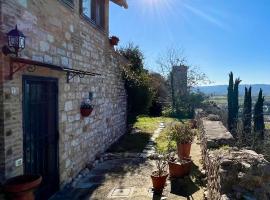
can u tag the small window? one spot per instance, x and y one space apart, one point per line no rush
86 8
94 10
69 2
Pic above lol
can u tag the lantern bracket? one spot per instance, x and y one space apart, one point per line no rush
6 51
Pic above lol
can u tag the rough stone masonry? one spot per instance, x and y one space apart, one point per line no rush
59 35
232 173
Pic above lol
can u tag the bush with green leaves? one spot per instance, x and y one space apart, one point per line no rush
185 107
137 82
182 133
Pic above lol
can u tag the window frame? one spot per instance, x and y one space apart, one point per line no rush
93 18
68 3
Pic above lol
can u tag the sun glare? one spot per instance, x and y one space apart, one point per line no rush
155 7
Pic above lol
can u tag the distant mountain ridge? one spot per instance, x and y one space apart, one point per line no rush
220 90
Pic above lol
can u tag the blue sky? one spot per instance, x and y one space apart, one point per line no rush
218 36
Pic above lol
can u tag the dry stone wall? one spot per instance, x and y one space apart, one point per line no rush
232 173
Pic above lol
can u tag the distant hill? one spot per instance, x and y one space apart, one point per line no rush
219 90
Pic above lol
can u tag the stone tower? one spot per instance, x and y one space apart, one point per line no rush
180 79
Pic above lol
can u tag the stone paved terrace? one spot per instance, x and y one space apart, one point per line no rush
129 178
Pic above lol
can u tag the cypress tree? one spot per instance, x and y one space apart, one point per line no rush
230 102
235 98
258 117
246 118
235 106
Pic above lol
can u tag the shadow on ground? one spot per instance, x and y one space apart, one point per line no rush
134 173
106 176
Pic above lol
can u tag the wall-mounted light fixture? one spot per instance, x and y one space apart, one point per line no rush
16 42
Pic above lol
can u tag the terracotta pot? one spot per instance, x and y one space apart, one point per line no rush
22 187
114 40
183 150
158 182
85 112
180 169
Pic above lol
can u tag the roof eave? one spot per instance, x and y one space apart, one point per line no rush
122 3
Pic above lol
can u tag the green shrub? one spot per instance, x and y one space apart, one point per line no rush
137 82
182 133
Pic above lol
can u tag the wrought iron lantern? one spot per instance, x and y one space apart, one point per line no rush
16 42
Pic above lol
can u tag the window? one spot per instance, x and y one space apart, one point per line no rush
94 10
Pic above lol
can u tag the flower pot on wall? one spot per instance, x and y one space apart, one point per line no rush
85 112
114 40
183 150
159 181
22 187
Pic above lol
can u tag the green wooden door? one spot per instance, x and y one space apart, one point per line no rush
40 120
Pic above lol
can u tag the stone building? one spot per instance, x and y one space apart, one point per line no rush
180 80
67 59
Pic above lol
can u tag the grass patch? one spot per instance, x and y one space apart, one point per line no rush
150 124
137 141
267 126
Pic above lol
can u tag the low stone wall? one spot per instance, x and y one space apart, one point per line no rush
232 173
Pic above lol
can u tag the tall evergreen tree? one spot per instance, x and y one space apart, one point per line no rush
247 115
235 98
233 104
230 102
258 116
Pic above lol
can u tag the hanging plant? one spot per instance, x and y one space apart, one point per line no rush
86 108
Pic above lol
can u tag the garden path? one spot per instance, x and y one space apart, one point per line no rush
128 178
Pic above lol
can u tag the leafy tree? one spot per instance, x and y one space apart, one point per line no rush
247 114
175 57
160 99
258 116
137 82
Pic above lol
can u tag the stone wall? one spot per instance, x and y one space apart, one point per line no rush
58 34
232 173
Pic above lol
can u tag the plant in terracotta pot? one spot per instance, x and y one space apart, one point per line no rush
86 108
183 135
114 40
159 176
193 123
178 168
22 187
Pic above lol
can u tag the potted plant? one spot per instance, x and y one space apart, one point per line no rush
178 168
193 123
86 108
183 135
159 176
114 40
22 187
